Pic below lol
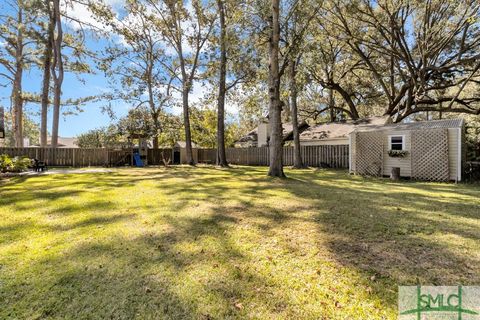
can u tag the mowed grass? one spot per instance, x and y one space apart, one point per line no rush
206 243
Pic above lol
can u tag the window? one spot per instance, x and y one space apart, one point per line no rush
397 143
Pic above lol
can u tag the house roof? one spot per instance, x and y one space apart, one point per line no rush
183 144
338 130
419 125
63 142
250 136
287 132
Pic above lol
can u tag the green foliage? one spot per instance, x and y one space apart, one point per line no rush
5 162
203 121
473 137
31 130
20 164
138 122
16 164
105 137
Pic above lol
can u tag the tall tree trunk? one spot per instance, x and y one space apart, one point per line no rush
2 126
186 85
151 104
57 78
47 57
297 157
331 105
221 154
17 112
275 107
186 122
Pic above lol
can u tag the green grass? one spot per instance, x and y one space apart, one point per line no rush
205 243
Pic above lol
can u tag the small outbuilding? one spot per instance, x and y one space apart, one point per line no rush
426 150
180 152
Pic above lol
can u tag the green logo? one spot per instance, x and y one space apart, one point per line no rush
431 302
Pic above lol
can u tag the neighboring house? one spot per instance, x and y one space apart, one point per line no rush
259 136
335 133
331 133
63 142
426 150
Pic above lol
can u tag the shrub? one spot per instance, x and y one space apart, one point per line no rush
5 162
20 164
17 164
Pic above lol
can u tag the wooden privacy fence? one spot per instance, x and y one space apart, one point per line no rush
76 157
314 156
335 156
73 157
157 156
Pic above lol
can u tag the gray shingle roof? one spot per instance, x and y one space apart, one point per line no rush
250 136
418 125
336 130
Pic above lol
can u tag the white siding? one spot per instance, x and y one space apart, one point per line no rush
352 152
453 151
405 164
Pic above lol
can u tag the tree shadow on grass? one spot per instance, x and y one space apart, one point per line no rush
213 265
404 236
191 270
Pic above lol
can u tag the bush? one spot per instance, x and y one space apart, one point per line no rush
17 164
5 162
20 164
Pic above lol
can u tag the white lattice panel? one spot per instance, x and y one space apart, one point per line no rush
369 153
430 155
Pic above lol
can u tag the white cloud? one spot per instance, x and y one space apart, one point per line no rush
197 93
80 12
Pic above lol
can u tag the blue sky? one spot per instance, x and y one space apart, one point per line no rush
91 117
88 85
72 125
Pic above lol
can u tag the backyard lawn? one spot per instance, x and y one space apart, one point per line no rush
206 243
